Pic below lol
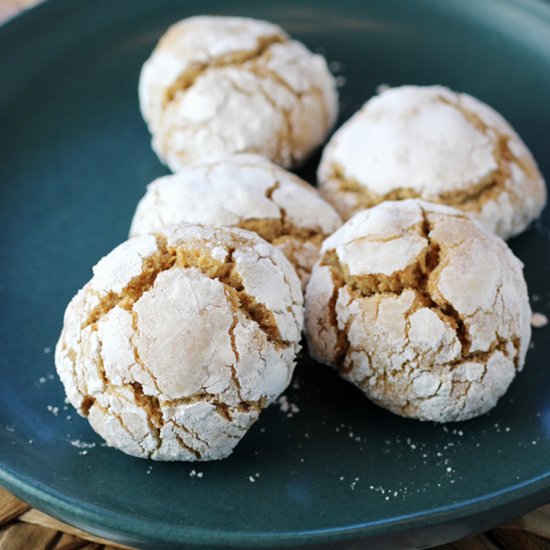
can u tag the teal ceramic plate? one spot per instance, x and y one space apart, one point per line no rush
75 159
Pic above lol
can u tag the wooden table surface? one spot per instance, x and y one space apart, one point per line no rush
25 528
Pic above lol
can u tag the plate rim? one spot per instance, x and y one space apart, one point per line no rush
125 527
60 505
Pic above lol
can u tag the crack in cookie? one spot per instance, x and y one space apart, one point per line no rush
132 394
398 331
439 146
187 78
245 191
208 76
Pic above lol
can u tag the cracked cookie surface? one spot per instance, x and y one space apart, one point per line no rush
436 145
245 191
421 308
180 339
219 85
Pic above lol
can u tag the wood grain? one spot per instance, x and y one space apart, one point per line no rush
24 535
10 507
537 522
39 518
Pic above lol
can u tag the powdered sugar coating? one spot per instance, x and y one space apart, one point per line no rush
218 85
246 191
180 339
434 144
421 308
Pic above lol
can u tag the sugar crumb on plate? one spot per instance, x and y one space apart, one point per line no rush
538 320
81 444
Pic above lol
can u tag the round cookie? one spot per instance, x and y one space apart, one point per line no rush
246 191
437 145
421 308
220 85
180 339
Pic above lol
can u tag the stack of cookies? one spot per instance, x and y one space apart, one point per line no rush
189 329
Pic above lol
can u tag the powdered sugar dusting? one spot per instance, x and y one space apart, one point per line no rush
539 320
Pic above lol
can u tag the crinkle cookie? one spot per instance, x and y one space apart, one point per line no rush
246 191
421 308
218 85
437 145
179 341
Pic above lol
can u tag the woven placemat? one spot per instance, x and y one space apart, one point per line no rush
25 528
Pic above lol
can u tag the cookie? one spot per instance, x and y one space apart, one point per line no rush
245 191
180 339
437 145
421 308
220 85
